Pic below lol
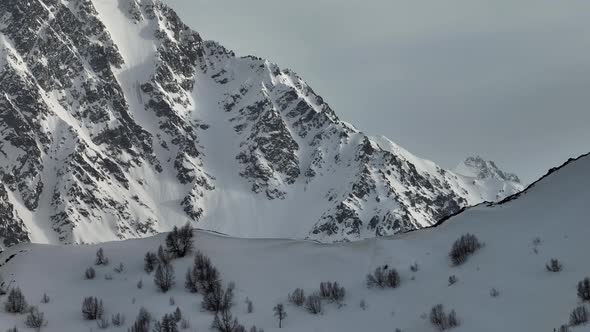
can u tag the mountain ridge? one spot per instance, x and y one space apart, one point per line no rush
119 121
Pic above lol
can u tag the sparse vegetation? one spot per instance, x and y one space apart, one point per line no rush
494 292
363 305
101 259
452 280
584 289
45 298
118 319
16 302
218 300
167 324
119 268
297 297
164 277
313 304
464 247
383 277
35 319
90 273
142 322
579 316
179 242
249 306
553 266
225 322
149 262
332 291
103 323
442 321
92 308
280 313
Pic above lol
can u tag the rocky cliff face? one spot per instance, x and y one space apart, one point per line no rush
119 121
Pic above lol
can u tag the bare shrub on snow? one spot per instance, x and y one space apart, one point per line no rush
179 242
297 297
92 308
332 291
383 277
464 247
101 259
313 304
90 273
554 265
579 316
16 302
35 319
441 320
584 289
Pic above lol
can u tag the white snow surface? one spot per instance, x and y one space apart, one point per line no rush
531 299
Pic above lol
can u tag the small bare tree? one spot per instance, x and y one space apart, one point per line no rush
101 259
149 262
280 313
249 306
584 289
553 266
164 277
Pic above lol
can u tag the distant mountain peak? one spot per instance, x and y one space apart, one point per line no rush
480 168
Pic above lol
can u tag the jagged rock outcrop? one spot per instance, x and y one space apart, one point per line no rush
118 121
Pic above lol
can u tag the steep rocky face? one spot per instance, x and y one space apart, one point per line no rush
119 121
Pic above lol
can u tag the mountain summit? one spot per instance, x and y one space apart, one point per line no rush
119 121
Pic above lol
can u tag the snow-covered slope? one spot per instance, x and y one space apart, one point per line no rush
117 121
520 236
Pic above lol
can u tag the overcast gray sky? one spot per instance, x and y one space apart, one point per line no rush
506 79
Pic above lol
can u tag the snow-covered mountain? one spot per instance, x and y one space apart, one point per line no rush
118 121
520 235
